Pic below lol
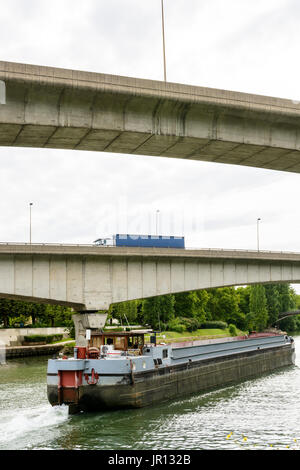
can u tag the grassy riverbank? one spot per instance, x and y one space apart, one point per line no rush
171 336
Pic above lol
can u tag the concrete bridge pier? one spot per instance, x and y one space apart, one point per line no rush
87 321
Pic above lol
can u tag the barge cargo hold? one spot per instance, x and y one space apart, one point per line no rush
117 370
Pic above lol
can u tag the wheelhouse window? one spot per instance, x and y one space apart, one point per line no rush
120 343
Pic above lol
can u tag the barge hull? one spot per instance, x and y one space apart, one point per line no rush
163 384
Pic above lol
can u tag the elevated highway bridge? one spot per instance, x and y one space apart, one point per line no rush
91 278
66 109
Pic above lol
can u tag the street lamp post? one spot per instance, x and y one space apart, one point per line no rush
164 41
258 220
30 206
157 220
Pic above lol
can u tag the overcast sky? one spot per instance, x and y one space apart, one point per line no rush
250 46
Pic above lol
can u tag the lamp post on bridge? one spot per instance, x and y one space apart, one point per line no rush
30 207
258 220
157 221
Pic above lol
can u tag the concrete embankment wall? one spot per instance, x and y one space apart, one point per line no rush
15 336
27 351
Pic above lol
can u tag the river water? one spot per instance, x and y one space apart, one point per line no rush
262 413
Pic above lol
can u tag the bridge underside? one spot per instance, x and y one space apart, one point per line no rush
65 109
39 300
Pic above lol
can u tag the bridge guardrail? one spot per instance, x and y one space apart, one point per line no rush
91 245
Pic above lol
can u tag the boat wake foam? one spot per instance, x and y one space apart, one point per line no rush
27 421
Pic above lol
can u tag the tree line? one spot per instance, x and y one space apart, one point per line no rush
16 313
248 308
255 307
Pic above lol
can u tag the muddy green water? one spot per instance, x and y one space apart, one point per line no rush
258 414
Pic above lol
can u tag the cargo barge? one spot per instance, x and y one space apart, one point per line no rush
113 370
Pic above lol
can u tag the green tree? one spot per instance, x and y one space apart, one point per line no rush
258 315
223 305
158 311
273 302
13 312
203 298
244 299
187 304
191 305
287 302
287 297
297 301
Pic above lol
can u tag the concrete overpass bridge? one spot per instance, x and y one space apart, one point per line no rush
90 278
65 109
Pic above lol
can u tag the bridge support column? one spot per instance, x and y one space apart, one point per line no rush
87 321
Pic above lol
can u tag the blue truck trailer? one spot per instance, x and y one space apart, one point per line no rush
146 241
